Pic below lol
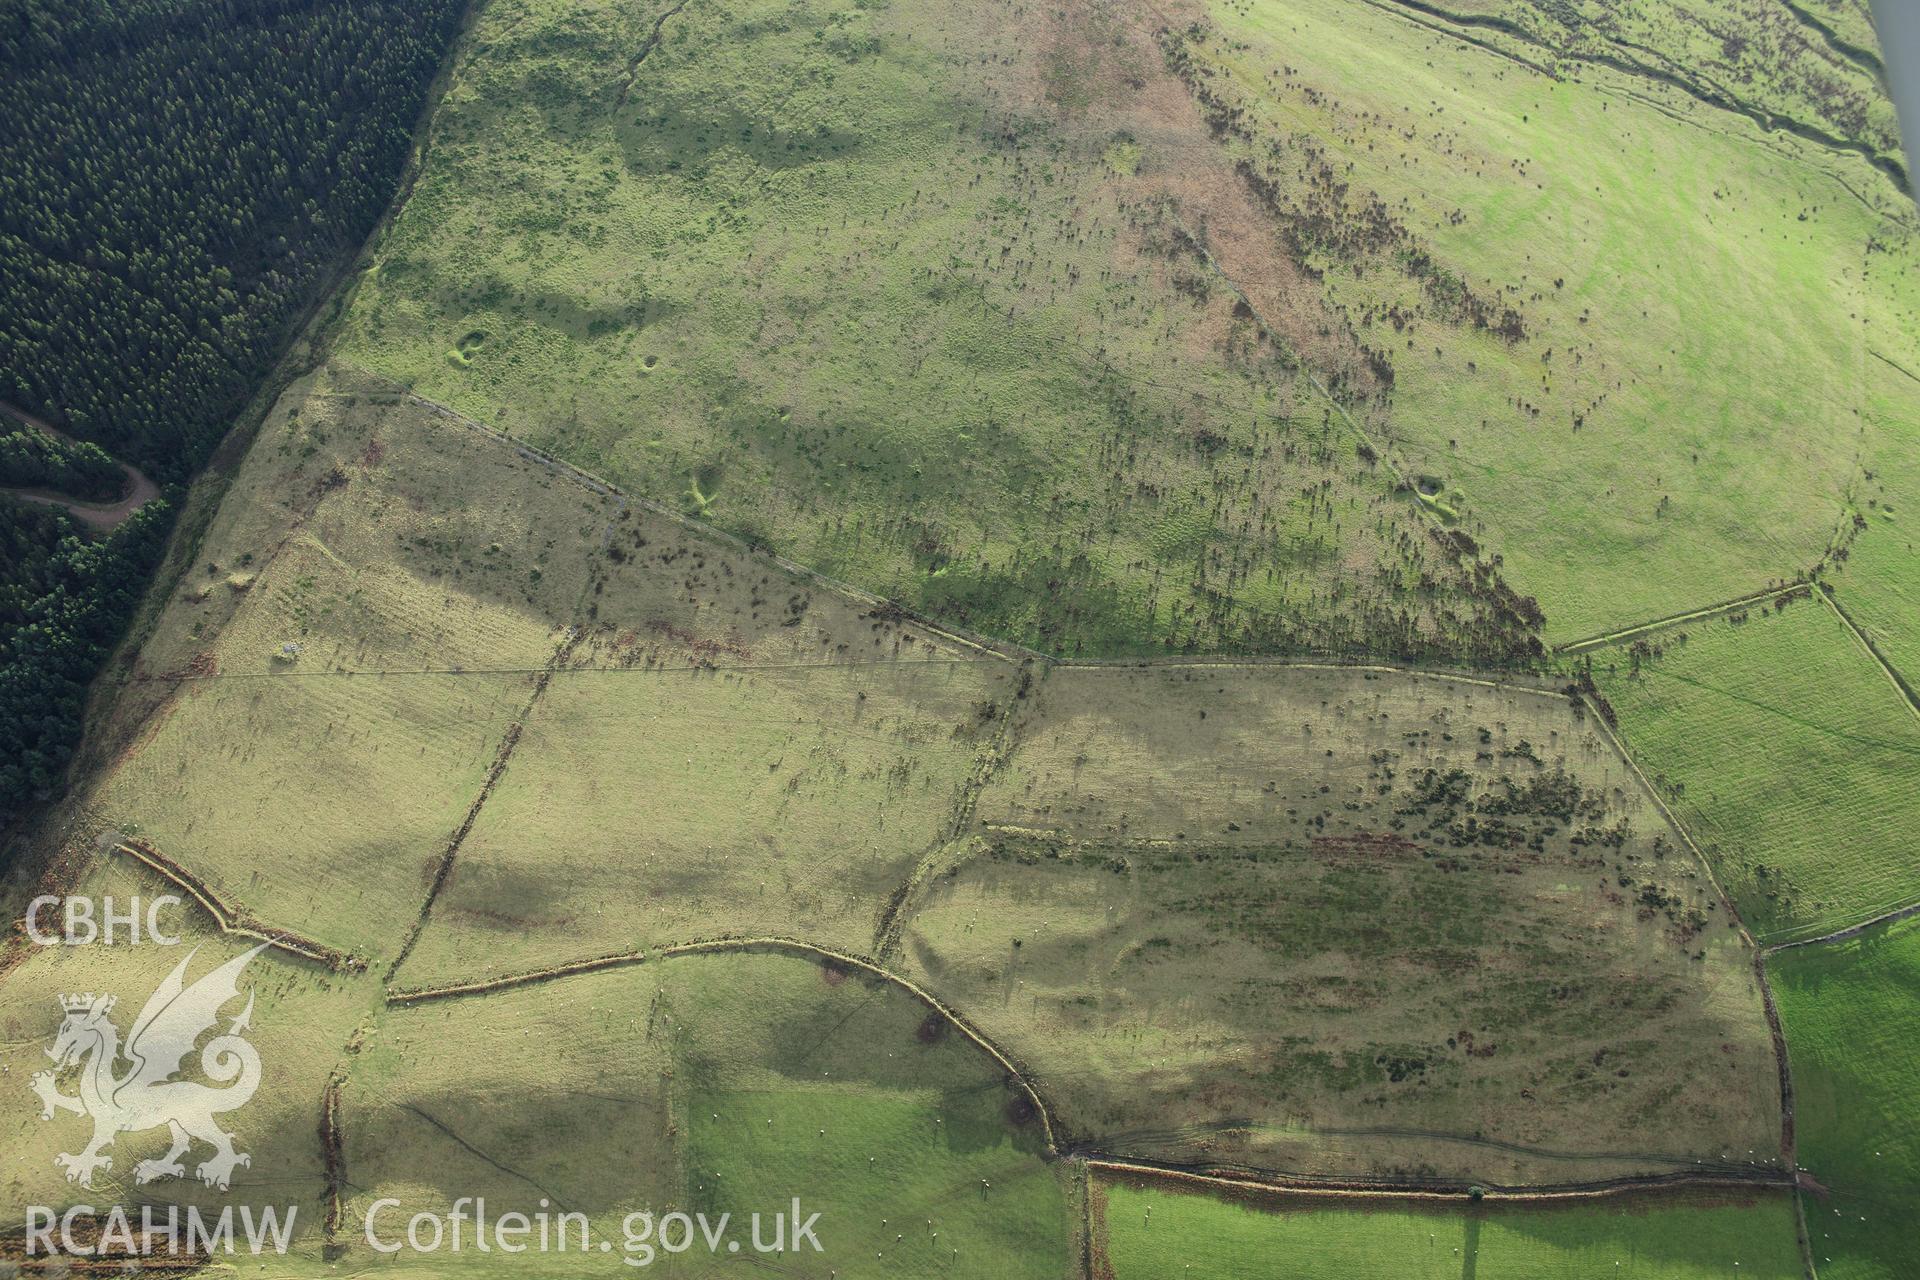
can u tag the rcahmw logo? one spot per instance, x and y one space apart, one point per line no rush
146 1094
160 1230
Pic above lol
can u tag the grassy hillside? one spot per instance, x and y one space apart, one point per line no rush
1670 415
926 298
588 728
696 519
357 633
1854 1039
724 1084
1789 754
1110 333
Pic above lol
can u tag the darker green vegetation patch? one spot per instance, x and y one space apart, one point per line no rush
176 181
31 459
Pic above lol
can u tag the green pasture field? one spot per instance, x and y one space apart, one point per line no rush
921 297
1771 58
1877 578
1327 921
1152 1233
714 1083
1852 1035
1789 755
320 805
1681 422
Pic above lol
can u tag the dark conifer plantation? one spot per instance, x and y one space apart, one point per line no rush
176 179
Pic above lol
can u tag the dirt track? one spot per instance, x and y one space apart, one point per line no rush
102 516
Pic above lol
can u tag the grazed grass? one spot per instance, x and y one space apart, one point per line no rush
1681 421
1854 1038
1153 1233
916 295
1790 756
319 805
643 809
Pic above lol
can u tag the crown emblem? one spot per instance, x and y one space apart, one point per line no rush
80 1004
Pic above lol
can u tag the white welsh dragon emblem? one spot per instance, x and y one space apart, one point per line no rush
145 1095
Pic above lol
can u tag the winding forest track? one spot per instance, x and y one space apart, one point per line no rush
101 516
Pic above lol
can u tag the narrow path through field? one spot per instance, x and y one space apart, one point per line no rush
508 741
482 1156
1784 712
95 515
1272 335
1675 1163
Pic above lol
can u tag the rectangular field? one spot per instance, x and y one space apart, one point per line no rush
1852 1016
1788 753
1153 1233
644 808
